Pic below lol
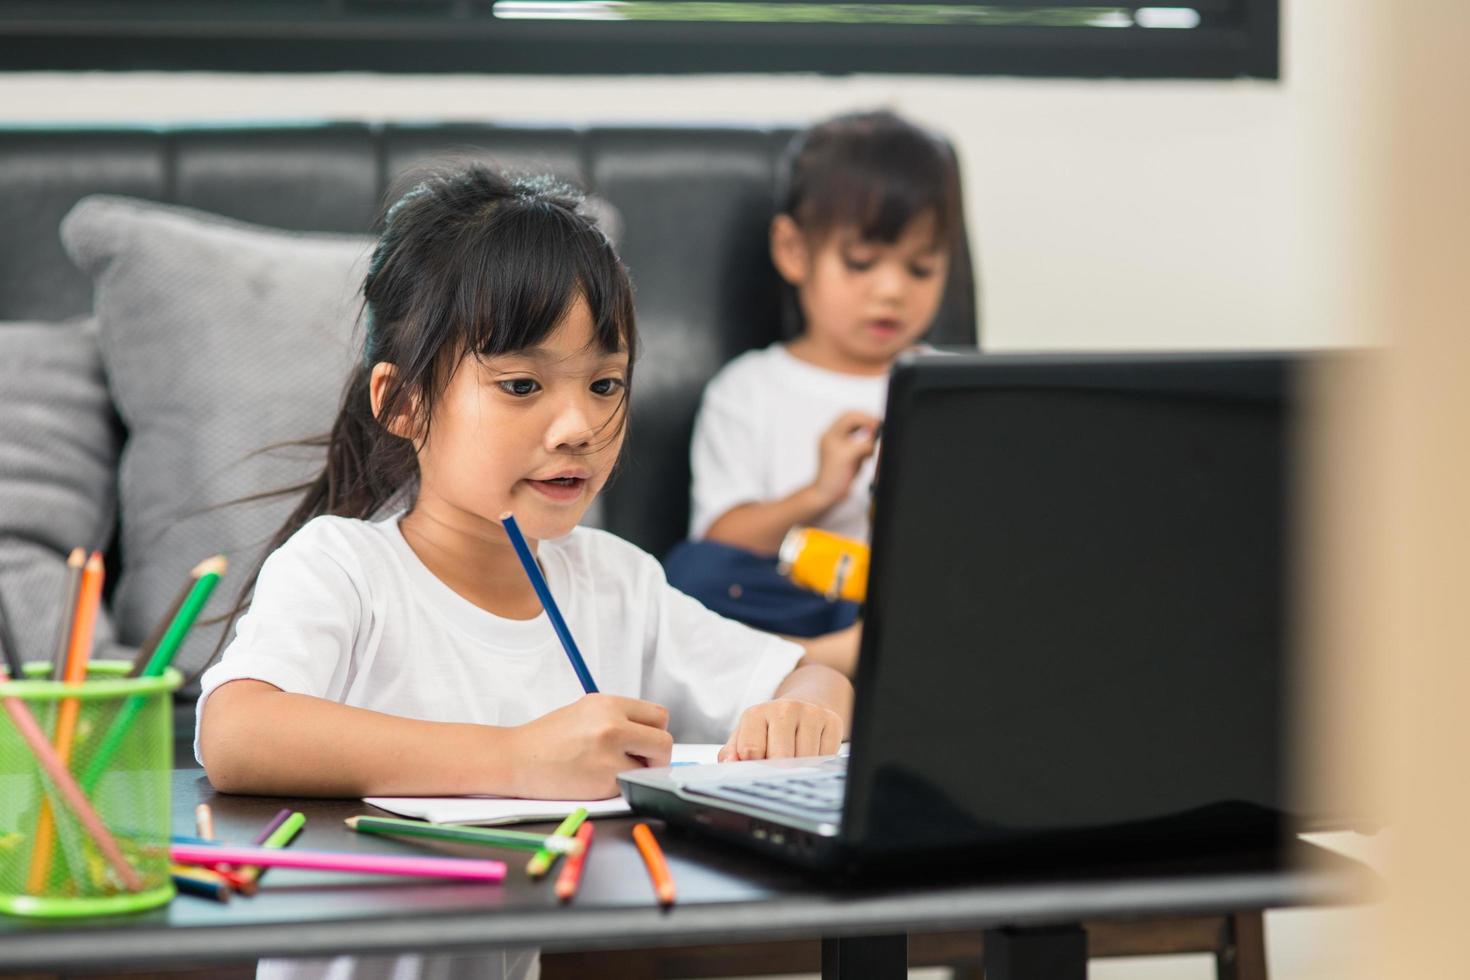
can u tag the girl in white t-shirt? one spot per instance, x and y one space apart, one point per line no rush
393 645
786 436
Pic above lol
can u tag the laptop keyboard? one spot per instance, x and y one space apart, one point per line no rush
817 795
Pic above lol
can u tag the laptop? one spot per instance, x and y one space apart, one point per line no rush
1075 637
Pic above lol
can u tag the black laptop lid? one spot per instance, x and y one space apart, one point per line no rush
1077 625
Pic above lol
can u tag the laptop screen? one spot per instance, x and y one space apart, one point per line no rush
1077 609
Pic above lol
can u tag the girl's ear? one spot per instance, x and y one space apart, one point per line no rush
789 253
402 424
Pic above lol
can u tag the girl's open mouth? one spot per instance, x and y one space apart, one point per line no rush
560 488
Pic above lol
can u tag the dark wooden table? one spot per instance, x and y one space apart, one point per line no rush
1032 925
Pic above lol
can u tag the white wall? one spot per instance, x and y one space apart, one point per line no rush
1104 214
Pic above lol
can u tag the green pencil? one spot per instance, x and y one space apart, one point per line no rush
489 836
542 860
280 837
208 573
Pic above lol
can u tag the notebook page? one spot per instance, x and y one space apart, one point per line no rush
487 811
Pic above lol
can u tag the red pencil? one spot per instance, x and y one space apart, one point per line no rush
571 872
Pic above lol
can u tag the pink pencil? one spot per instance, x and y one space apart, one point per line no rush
25 723
419 867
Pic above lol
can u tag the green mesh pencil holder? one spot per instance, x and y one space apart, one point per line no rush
95 844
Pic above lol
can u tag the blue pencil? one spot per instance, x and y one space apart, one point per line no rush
538 582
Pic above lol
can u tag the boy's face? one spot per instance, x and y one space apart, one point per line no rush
536 432
865 302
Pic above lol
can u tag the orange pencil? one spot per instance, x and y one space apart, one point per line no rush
658 868
571 872
89 596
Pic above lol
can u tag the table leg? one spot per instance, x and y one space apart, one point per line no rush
865 958
1048 953
1242 956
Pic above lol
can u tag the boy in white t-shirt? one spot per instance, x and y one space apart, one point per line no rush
787 436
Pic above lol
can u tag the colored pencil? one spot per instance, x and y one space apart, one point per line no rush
191 839
71 793
418 867
280 832
71 843
71 589
208 574
543 592
658 868
488 836
89 597
232 877
145 652
571 872
7 640
266 832
204 822
543 859
200 881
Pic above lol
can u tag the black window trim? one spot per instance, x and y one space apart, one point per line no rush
421 36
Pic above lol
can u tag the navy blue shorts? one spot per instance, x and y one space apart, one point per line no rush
747 587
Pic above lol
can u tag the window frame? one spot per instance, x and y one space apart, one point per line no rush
457 36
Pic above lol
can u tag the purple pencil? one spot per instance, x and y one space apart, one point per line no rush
265 834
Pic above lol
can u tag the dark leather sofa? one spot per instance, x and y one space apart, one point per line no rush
694 204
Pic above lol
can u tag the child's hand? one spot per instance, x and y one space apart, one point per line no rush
576 752
844 446
783 729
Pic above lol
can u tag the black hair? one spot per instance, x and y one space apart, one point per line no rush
874 171
470 261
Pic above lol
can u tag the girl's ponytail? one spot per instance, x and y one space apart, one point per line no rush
366 468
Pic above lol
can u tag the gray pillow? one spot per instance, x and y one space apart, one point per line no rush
59 442
219 340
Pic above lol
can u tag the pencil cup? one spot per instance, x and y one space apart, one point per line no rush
84 814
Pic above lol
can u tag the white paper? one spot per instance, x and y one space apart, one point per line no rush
487 811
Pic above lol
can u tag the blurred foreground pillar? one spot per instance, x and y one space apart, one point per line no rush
1391 504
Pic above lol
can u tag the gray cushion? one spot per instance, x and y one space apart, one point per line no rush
219 340
58 457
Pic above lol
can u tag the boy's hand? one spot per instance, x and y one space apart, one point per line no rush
576 752
785 728
844 446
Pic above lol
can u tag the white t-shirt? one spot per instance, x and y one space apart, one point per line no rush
757 436
346 611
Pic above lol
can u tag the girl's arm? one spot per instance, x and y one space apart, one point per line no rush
256 738
809 715
837 650
819 685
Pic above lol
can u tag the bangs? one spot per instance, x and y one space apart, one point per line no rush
515 276
880 204
878 207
